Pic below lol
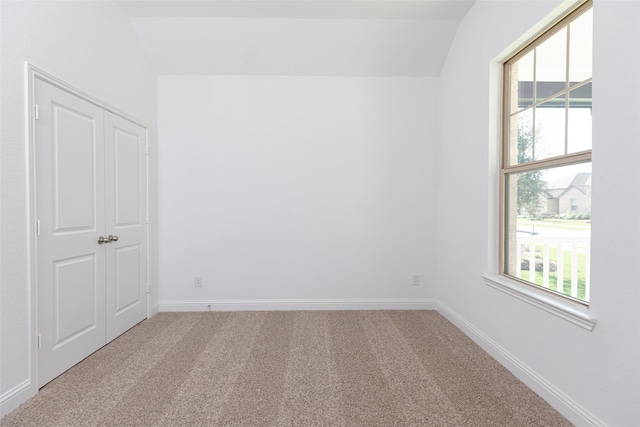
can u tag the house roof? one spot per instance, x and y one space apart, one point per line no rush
580 181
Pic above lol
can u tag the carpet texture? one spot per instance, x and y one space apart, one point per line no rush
338 368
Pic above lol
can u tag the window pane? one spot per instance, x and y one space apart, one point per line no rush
550 129
522 83
581 48
551 65
521 138
579 119
548 228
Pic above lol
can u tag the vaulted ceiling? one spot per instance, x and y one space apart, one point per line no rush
297 37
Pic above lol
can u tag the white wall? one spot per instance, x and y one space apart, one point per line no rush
597 372
91 46
302 188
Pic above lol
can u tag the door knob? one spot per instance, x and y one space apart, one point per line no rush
112 238
102 240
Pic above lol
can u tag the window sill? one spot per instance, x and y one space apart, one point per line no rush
571 312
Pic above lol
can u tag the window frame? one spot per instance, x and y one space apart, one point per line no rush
505 168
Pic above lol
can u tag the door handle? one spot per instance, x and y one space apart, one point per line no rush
110 238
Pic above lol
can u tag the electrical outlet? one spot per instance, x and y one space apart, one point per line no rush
197 281
415 280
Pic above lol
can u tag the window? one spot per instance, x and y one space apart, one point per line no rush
546 160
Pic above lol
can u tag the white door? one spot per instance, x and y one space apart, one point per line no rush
70 209
91 187
126 190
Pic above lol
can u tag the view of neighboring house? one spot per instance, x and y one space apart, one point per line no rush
570 195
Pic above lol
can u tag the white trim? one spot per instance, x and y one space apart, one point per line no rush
32 235
147 220
29 387
571 312
299 304
34 72
574 412
13 398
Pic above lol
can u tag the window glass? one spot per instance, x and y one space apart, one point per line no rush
581 48
550 230
579 119
522 80
550 128
521 137
551 65
546 162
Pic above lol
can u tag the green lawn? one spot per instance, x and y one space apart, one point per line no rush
553 278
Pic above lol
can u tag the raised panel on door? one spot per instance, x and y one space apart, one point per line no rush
69 150
126 189
75 303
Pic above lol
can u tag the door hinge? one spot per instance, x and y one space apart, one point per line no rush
146 148
38 227
147 219
37 112
39 341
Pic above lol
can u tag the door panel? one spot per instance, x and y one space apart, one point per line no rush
128 278
74 170
128 150
69 141
126 189
75 293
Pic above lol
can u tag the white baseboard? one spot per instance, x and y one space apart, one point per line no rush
556 398
299 304
154 309
15 397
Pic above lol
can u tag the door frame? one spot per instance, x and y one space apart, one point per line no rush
31 74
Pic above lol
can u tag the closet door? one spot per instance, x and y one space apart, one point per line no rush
91 208
70 210
126 204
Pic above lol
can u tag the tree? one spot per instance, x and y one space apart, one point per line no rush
530 184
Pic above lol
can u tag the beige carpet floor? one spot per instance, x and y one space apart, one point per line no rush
340 368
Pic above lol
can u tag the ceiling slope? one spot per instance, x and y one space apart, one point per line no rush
329 37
